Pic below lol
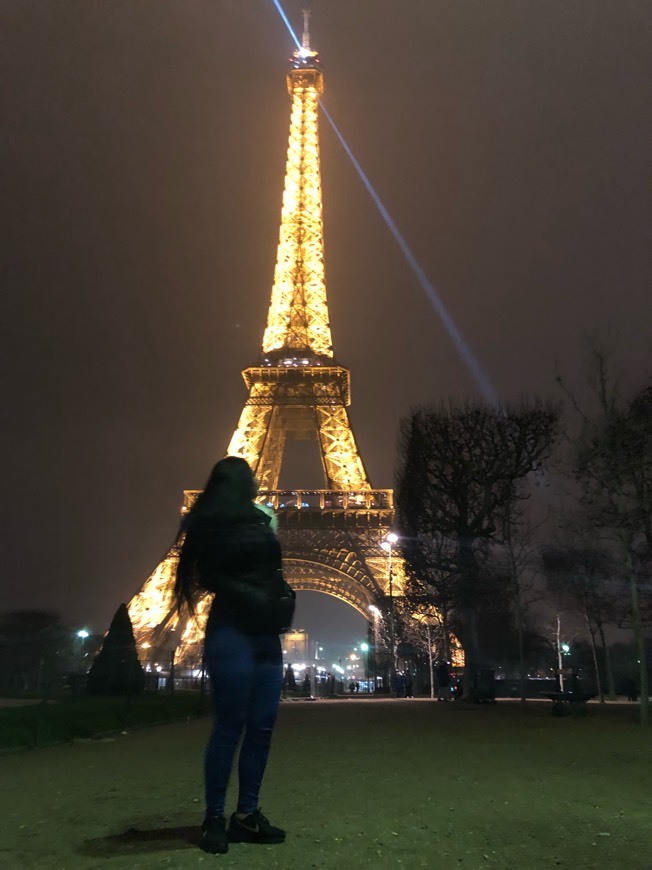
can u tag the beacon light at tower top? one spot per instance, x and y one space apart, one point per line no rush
304 52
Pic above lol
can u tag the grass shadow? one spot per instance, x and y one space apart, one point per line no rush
136 841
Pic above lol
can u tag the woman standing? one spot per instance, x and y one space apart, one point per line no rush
230 549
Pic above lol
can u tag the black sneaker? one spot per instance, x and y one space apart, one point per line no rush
213 835
254 828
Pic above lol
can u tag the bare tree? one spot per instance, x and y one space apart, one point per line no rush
35 650
519 558
613 464
583 575
457 470
420 625
430 578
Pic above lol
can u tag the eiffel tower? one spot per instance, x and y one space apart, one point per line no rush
331 537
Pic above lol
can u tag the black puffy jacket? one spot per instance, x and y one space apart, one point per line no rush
240 562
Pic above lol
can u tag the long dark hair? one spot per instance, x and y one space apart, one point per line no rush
226 498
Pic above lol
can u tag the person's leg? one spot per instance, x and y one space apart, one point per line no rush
230 662
261 716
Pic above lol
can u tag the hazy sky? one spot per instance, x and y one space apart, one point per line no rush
142 152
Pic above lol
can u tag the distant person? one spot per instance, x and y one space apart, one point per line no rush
289 679
399 684
409 685
630 689
443 682
230 549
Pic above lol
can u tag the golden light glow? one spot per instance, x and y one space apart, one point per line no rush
249 439
456 652
430 614
155 601
298 314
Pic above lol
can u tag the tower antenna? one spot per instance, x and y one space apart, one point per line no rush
305 39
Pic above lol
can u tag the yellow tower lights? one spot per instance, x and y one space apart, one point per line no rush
298 313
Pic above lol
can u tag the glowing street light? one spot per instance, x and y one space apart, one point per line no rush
364 647
377 615
390 539
82 634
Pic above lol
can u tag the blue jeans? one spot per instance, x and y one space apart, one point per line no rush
246 673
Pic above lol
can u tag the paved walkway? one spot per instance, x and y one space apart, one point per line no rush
19 702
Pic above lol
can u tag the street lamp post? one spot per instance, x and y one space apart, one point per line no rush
82 634
365 649
376 614
387 545
432 673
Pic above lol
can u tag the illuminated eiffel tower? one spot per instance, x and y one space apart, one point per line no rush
331 537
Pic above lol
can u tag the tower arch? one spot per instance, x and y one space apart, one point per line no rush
309 576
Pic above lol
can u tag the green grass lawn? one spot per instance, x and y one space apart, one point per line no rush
357 783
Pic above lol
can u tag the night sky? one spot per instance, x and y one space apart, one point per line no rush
143 151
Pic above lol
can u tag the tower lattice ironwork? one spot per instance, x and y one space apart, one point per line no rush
331 537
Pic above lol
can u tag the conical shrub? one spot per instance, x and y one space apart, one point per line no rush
116 669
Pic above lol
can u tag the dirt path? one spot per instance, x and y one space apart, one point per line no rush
357 784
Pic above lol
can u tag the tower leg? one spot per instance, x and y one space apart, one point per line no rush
260 440
344 468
